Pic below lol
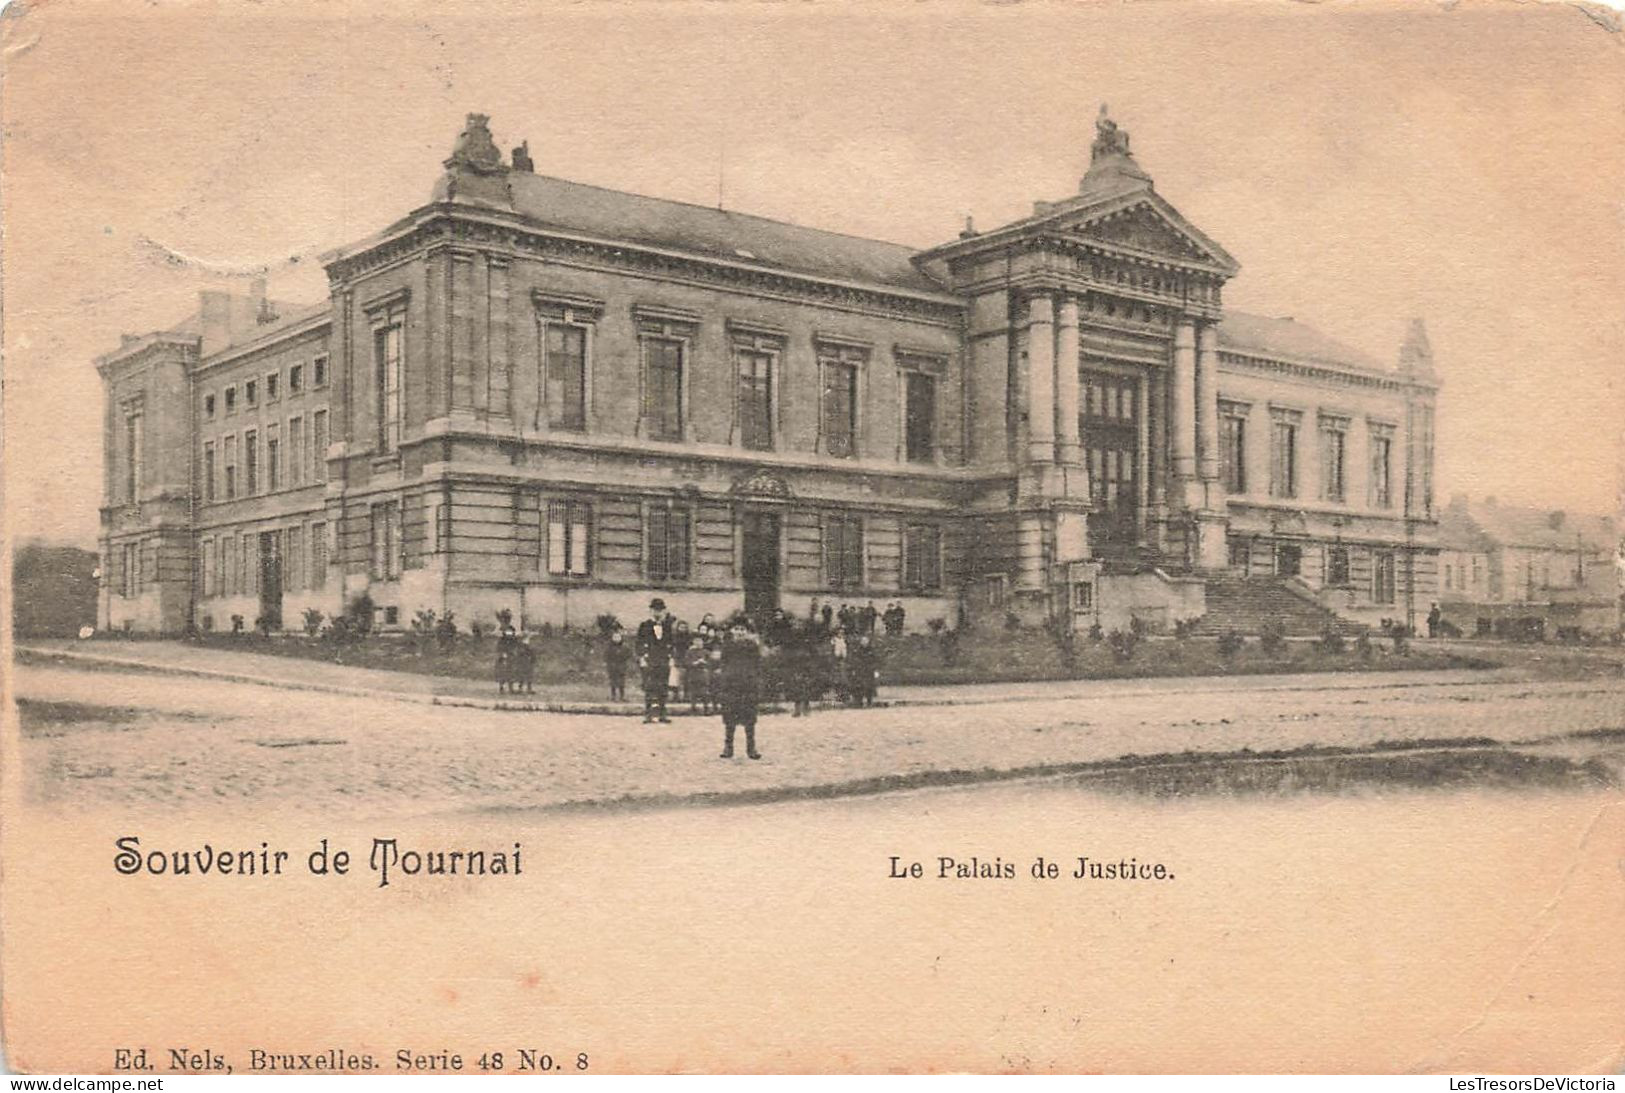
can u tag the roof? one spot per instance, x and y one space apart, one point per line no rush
1484 526
578 208
1288 339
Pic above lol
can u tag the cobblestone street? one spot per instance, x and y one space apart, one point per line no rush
95 737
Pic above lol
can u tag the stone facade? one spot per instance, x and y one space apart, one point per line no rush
551 398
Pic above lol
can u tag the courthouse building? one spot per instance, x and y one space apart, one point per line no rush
549 397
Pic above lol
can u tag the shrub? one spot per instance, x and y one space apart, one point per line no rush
264 624
1012 621
1096 633
936 625
1362 645
1184 628
236 624
1401 636
313 621
445 631
1123 643
1138 626
1272 638
1331 640
1230 643
607 624
362 613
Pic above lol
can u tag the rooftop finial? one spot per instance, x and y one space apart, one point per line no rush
1110 164
970 228
475 150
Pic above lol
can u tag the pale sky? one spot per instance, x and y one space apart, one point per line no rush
1364 164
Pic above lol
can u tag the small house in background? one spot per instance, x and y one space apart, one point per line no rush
1511 571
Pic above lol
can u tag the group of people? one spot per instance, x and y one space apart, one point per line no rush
730 668
716 668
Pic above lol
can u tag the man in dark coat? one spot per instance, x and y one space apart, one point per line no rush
739 687
654 660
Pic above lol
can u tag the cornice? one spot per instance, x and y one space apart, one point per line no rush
1319 371
516 238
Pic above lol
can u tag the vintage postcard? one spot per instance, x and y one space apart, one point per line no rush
556 538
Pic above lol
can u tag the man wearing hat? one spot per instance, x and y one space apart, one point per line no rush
654 659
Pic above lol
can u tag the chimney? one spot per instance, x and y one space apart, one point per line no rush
214 320
258 305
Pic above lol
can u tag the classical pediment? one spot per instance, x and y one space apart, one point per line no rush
1147 226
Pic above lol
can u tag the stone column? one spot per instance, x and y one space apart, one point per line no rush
1069 449
1183 404
1207 401
1041 379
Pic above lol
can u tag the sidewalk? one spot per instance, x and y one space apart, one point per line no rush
293 673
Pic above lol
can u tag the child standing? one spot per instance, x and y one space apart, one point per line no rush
617 654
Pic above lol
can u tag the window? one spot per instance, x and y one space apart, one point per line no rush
296 378
318 372
1233 450
1288 560
247 557
1382 577
1333 448
1337 565
131 576
210 577
920 417
296 451
231 399
1424 448
1449 577
208 470
272 385
922 556
132 458
293 560
565 370
843 551
663 387
385 534
318 444
839 367
251 393
1382 446
1083 596
208 406
754 368
318 555
251 462
386 355
273 461
569 538
1241 553
667 542
1284 455
231 467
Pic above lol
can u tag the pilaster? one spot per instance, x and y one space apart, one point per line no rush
1186 486
1068 446
1040 379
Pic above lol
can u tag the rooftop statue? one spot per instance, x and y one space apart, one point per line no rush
475 150
1109 139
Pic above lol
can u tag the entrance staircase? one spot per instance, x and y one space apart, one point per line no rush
1247 604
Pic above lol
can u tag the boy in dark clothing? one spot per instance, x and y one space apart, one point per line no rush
739 688
617 654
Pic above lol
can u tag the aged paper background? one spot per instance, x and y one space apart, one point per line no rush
1368 162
